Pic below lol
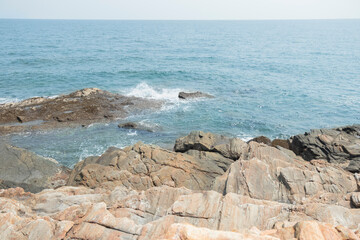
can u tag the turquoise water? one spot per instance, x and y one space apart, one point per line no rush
272 78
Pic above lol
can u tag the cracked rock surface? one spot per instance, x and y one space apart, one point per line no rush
209 187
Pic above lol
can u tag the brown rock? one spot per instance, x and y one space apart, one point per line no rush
268 173
197 140
78 108
261 139
281 143
141 167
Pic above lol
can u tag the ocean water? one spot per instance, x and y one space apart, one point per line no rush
272 78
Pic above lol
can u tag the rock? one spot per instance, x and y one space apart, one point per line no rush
197 140
261 139
213 187
130 125
205 161
355 199
79 108
191 95
142 166
139 126
264 172
160 212
188 232
19 167
338 145
280 143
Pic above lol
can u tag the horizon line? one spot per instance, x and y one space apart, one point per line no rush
129 19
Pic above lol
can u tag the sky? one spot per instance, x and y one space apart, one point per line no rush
180 9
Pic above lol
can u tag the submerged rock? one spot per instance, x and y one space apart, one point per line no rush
130 125
82 107
19 167
138 126
338 145
191 95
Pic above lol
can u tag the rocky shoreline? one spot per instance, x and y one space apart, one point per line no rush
208 187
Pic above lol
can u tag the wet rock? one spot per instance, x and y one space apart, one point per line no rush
191 95
138 126
21 168
338 145
82 107
130 125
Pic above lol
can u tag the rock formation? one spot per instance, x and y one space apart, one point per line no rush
209 187
338 145
78 108
19 167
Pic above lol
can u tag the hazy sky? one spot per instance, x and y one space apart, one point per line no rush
180 9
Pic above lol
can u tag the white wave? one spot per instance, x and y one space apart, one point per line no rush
8 100
143 90
245 138
52 97
132 133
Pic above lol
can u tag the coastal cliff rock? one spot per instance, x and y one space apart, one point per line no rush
19 167
338 145
82 107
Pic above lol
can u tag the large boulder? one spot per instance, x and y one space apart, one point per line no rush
19 167
338 145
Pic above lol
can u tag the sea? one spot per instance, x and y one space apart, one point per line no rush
275 78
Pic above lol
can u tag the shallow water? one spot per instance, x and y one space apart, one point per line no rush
272 78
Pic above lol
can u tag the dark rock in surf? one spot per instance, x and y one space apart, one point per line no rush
129 125
136 126
191 95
